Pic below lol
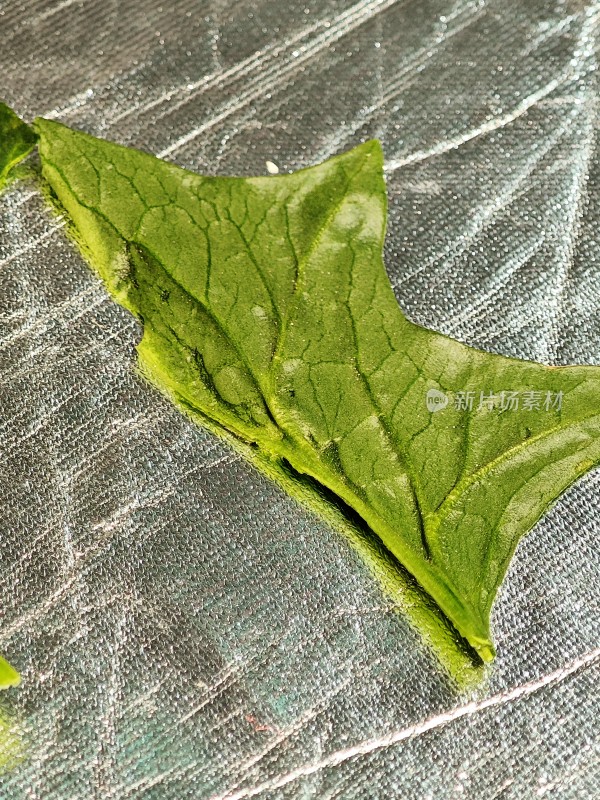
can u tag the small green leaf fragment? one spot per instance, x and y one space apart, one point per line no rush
8 675
17 140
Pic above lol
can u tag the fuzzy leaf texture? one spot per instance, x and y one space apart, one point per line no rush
266 308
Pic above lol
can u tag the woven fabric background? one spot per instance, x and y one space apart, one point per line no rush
184 629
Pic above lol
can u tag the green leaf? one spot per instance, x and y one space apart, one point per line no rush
8 675
267 309
17 140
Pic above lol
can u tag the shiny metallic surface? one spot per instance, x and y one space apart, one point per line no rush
184 629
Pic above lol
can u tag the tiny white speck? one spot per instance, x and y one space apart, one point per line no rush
272 168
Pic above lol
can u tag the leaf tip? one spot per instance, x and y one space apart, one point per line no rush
372 148
485 649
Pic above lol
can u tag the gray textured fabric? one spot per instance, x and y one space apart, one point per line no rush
184 629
